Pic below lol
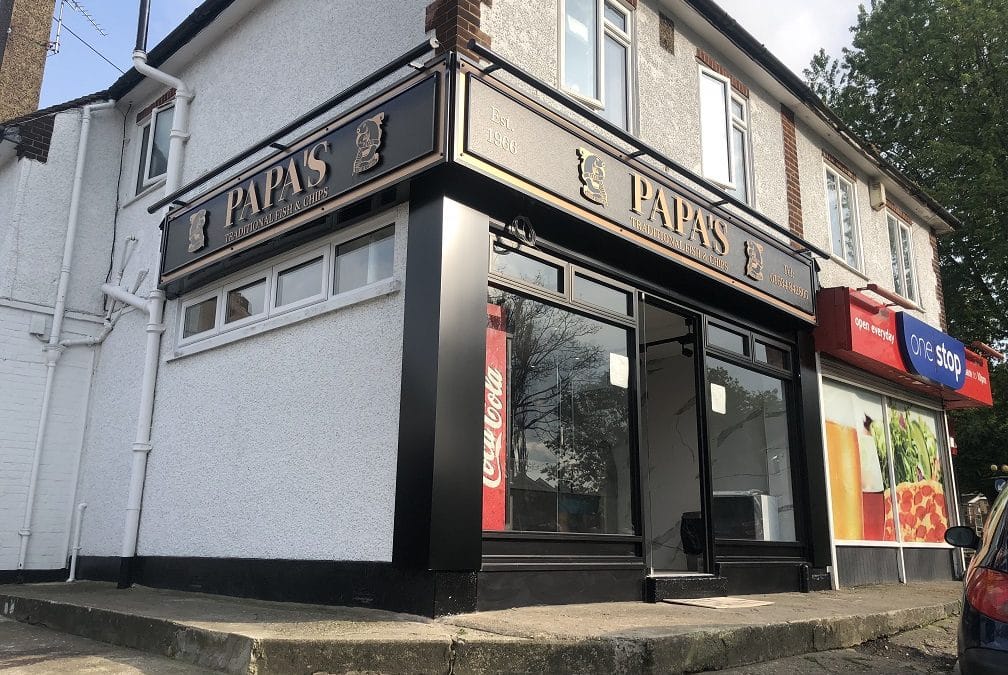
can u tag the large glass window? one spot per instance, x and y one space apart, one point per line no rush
564 418
843 219
901 255
874 443
750 454
724 134
596 56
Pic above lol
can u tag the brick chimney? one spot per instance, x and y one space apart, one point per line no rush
24 41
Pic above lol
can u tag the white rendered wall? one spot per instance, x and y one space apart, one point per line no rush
33 222
282 444
22 380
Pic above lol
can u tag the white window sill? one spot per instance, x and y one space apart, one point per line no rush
153 187
847 266
354 297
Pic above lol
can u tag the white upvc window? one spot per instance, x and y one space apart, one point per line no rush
901 255
155 137
724 135
841 201
595 56
328 271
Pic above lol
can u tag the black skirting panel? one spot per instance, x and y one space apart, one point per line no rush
500 590
356 584
867 565
928 564
660 588
750 577
33 576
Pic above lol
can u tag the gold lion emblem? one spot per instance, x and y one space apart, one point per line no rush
754 260
591 172
369 139
197 230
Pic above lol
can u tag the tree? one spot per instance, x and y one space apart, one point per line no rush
926 83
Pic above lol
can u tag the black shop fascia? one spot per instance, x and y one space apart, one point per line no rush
608 381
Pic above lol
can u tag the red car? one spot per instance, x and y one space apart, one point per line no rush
983 625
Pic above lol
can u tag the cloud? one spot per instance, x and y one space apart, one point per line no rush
794 30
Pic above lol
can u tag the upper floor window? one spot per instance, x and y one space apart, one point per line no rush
840 200
155 136
724 134
595 56
901 254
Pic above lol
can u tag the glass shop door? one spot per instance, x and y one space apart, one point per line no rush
677 535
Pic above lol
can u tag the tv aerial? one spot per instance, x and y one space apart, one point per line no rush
77 6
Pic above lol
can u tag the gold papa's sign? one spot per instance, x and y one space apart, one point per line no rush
515 140
395 135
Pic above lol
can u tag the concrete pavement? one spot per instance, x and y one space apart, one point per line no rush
27 650
250 636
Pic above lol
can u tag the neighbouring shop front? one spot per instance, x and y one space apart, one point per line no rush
635 359
887 380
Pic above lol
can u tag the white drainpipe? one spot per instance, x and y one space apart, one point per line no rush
76 545
53 349
153 305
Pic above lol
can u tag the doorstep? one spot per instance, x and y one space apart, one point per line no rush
254 636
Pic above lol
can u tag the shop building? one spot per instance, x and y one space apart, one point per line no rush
580 256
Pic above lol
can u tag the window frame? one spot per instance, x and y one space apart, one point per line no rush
732 122
603 29
901 228
247 280
325 253
195 300
855 221
271 271
144 179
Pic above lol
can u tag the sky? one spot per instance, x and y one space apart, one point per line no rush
793 30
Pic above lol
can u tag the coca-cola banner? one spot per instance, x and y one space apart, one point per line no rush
495 420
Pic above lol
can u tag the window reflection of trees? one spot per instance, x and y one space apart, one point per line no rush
568 422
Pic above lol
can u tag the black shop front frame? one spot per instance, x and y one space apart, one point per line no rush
605 217
653 447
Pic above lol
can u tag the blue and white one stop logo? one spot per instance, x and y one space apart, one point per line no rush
931 353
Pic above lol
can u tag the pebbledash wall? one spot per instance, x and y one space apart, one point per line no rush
666 91
253 439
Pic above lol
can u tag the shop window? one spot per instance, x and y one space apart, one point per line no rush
901 255
296 281
526 269
602 296
245 302
365 260
772 355
842 205
729 340
199 317
748 428
874 442
724 134
300 283
596 56
155 137
559 399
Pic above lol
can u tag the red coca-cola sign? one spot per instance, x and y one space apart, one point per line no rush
495 421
